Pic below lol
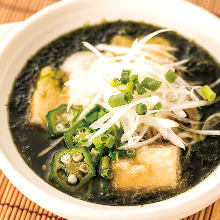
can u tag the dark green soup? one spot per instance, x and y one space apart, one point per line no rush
204 156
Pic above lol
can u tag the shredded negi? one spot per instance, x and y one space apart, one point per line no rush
126 92
134 78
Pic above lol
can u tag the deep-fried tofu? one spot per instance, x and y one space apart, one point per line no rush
153 168
49 94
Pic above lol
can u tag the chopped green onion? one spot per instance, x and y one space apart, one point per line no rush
116 100
170 76
114 155
140 89
110 141
97 141
101 113
104 168
158 106
92 117
125 76
208 93
128 97
115 82
117 132
97 152
130 87
141 109
131 153
106 173
81 136
133 78
151 84
120 99
106 140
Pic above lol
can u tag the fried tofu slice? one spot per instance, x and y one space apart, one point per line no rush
123 41
162 56
126 41
48 94
155 167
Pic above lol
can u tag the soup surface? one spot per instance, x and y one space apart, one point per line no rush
154 173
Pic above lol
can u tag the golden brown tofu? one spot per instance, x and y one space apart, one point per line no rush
126 41
153 168
161 56
123 41
49 94
159 40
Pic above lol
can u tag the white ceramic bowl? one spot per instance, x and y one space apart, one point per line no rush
189 20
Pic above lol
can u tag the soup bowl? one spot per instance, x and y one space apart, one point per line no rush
40 29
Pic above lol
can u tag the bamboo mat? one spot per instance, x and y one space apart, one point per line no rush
13 204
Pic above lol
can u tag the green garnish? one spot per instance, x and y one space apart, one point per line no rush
92 117
151 84
115 82
110 141
106 140
141 109
130 87
131 153
116 100
116 154
133 78
104 168
128 97
120 99
170 76
140 89
158 106
208 93
125 76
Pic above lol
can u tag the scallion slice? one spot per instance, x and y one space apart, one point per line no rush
128 97
151 84
130 87
131 153
120 99
125 76
158 106
104 168
116 100
110 141
133 78
141 109
140 89
170 76
115 82
208 93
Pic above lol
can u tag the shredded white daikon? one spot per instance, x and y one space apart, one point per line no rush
90 74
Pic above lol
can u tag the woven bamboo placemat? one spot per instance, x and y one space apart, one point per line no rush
13 204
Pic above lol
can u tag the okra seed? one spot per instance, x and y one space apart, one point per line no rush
72 179
84 168
44 167
66 158
94 152
77 157
59 127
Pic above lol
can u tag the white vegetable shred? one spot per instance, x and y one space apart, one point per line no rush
90 74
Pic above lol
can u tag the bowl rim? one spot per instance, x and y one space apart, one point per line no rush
81 206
